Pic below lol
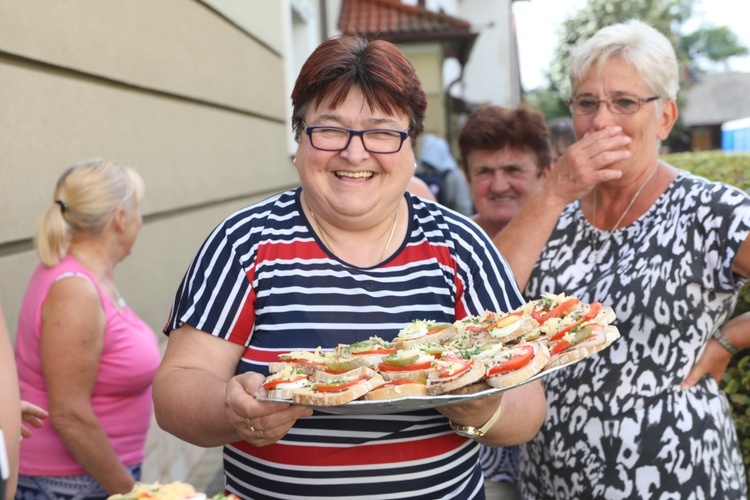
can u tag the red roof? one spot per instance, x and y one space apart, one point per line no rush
392 19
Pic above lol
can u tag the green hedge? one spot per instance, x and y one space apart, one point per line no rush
733 169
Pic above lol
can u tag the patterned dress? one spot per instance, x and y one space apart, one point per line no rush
617 425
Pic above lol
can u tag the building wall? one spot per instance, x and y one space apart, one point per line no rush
189 93
427 59
491 75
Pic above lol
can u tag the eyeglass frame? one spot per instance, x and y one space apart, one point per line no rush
359 133
640 100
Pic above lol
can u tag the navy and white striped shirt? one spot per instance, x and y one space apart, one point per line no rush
262 279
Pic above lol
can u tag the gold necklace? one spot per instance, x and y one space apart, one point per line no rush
328 243
617 224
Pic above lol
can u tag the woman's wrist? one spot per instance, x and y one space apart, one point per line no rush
729 346
476 432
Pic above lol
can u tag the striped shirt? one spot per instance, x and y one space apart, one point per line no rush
262 279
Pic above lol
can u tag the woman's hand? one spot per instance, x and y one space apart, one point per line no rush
33 415
259 423
475 412
715 359
522 414
586 163
713 362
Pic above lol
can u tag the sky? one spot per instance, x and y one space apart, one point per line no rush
538 22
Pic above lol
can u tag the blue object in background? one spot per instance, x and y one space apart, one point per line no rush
735 135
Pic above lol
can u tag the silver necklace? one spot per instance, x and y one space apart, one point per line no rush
328 243
617 224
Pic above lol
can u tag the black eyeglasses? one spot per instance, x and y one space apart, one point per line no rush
375 140
623 104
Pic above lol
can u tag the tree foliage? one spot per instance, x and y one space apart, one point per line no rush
705 44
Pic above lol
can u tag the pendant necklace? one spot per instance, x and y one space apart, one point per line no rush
328 243
617 224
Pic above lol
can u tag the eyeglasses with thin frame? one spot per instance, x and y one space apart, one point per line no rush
622 104
376 140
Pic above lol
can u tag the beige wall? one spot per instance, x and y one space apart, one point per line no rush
189 93
427 59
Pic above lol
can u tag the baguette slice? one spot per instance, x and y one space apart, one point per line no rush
440 380
309 361
602 337
510 327
421 332
288 391
397 389
355 373
539 359
324 392
284 383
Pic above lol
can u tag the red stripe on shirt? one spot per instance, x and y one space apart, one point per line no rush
356 454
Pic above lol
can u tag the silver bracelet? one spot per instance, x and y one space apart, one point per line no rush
725 342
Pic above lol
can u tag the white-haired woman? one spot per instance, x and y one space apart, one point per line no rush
82 353
669 252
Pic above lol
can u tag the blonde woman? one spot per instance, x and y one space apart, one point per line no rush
81 352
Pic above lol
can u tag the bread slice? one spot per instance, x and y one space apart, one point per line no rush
438 384
309 361
328 389
600 339
511 327
397 389
537 363
359 372
474 388
288 391
284 383
421 332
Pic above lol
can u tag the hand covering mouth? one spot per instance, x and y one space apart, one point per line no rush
353 175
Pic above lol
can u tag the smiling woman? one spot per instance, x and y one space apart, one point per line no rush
348 256
607 217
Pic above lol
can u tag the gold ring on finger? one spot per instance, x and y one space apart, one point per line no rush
247 421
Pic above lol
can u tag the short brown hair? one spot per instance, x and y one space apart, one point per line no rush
386 77
493 127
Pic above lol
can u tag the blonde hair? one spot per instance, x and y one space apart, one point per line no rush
86 196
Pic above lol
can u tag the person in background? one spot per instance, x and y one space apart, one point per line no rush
439 170
81 352
505 154
420 188
10 413
561 136
668 251
348 255
13 412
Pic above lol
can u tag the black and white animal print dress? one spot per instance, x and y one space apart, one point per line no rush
617 425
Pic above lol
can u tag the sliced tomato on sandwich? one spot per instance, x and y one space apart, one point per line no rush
593 310
452 366
542 314
270 384
586 333
521 356
383 351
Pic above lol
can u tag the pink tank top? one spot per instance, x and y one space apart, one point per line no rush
121 397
